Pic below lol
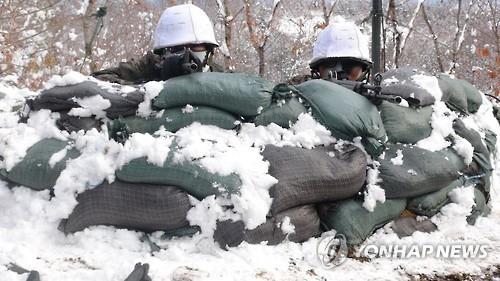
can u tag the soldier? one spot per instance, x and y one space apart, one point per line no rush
340 52
184 42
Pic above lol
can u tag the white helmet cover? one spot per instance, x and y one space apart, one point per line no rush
183 24
341 40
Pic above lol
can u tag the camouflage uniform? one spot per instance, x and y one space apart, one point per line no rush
147 68
299 79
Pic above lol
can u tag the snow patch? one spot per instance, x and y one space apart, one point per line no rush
430 84
398 160
70 78
94 105
286 226
152 90
373 193
57 157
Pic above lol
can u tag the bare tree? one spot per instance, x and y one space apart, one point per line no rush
434 39
459 34
227 19
90 29
401 33
328 11
259 35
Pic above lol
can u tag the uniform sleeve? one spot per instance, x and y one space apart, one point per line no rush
299 79
133 72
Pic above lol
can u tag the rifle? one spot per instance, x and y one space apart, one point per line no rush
372 92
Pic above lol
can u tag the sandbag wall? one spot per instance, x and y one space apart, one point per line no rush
325 179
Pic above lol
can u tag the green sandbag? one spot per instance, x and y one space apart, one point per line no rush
345 113
406 124
174 119
240 94
281 113
481 157
34 170
474 99
421 172
186 175
481 208
430 203
351 219
453 93
491 141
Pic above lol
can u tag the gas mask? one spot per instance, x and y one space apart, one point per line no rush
181 63
339 70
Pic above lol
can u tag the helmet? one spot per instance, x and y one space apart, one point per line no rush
341 40
182 25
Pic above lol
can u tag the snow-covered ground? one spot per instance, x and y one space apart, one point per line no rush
29 220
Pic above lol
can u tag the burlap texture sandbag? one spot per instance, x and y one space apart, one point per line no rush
345 113
421 172
186 175
481 157
174 119
61 98
75 123
406 226
141 207
308 176
406 124
282 113
34 171
429 204
461 95
352 220
399 82
304 219
240 94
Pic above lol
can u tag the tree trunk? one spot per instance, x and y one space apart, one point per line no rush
88 31
434 39
262 61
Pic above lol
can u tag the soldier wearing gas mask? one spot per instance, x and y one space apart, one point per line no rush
184 42
340 53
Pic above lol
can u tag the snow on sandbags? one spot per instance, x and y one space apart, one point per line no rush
307 176
240 94
173 120
481 157
283 112
86 99
186 175
406 124
459 94
42 165
352 220
297 225
346 114
480 208
430 204
423 89
409 84
408 171
141 207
